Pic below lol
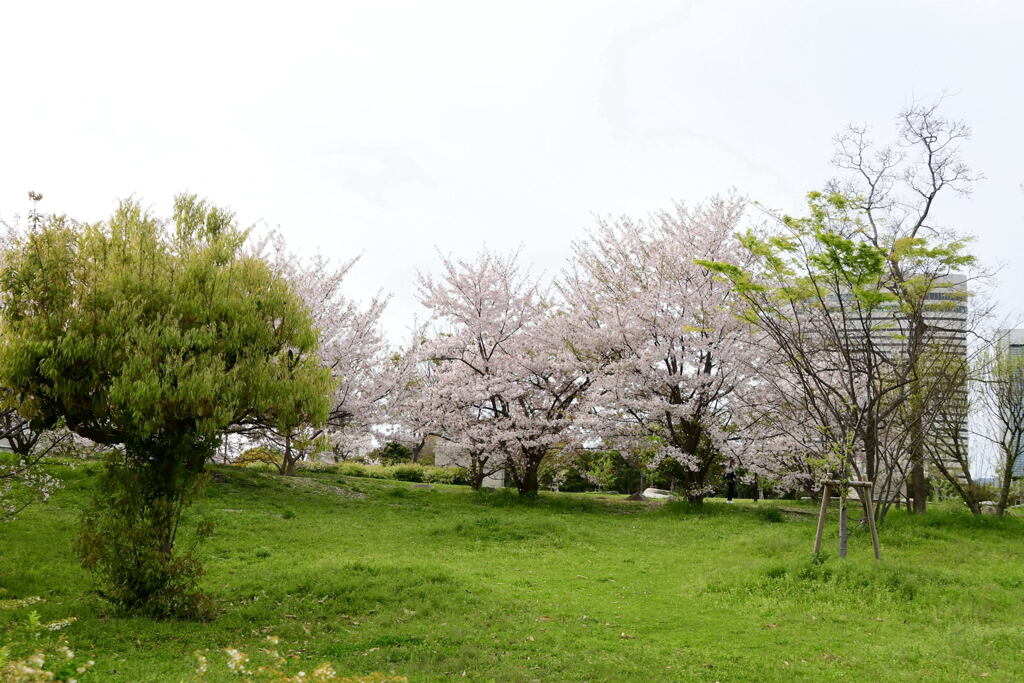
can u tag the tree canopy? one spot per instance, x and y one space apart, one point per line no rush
152 337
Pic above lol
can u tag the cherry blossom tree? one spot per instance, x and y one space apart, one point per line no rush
22 481
352 345
505 386
671 364
423 410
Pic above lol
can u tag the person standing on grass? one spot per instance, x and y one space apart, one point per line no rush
730 479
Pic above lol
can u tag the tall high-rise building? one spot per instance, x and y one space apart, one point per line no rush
946 315
946 322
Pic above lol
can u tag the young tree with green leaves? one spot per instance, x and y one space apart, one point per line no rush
151 338
852 385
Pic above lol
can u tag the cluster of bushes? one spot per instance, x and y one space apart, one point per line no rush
590 470
406 472
426 474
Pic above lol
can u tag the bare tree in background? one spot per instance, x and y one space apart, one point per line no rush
952 407
858 298
1002 398
896 186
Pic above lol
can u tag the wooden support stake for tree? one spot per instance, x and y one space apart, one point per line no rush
869 510
864 493
821 518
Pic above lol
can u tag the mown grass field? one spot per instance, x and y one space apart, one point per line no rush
437 583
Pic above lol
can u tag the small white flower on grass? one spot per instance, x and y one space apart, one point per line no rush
59 624
23 602
236 659
324 671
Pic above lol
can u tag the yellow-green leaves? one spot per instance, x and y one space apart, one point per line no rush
132 328
157 337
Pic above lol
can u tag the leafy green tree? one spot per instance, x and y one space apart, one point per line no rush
392 453
853 381
152 337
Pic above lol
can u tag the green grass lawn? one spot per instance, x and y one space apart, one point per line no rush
434 583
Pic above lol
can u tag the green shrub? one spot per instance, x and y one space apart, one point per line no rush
446 475
391 453
318 466
407 473
258 455
126 538
352 470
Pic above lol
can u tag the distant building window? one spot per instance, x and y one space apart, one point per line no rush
945 296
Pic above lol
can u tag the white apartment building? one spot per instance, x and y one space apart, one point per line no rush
946 317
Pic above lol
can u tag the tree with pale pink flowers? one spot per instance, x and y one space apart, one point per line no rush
671 364
352 345
505 386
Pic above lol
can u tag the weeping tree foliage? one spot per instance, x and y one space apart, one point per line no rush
152 337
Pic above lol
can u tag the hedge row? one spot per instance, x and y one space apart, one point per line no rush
405 472
408 472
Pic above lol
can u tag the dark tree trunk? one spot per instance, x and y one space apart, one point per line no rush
528 484
695 482
1004 491
870 453
476 473
289 458
525 474
417 450
919 485
917 427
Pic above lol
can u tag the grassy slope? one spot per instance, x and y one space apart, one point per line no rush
430 583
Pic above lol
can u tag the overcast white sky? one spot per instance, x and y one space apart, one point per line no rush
387 128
